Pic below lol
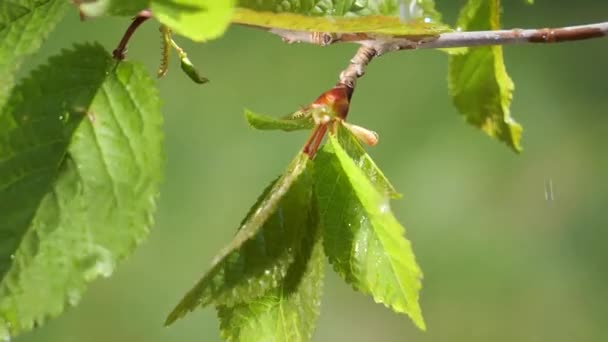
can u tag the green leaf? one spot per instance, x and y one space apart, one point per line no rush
190 70
264 247
80 167
288 311
113 7
363 240
340 8
379 24
291 123
357 153
24 25
198 20
478 81
389 17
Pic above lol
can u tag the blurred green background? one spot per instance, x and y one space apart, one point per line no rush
501 262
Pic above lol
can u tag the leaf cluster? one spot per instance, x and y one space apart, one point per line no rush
267 282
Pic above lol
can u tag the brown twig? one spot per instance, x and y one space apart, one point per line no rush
337 99
385 43
121 50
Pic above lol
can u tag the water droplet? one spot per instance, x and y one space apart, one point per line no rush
428 20
73 297
549 193
98 262
385 206
60 117
267 272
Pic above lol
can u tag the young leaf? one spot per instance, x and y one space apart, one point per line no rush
478 81
363 240
198 20
24 24
288 311
264 247
80 167
190 70
357 153
265 122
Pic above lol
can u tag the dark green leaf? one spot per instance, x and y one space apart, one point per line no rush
80 167
24 24
287 312
265 122
263 249
478 81
191 71
363 240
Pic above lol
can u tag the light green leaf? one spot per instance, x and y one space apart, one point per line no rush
287 312
357 153
345 8
478 81
24 24
291 123
198 20
363 240
113 7
263 249
388 17
80 167
378 24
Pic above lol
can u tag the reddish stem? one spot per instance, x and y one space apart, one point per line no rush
120 52
314 141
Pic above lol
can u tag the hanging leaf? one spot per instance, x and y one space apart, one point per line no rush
478 81
80 167
263 249
288 311
363 240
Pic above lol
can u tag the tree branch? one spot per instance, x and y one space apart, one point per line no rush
383 43
373 46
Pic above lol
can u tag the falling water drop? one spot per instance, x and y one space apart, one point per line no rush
549 192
